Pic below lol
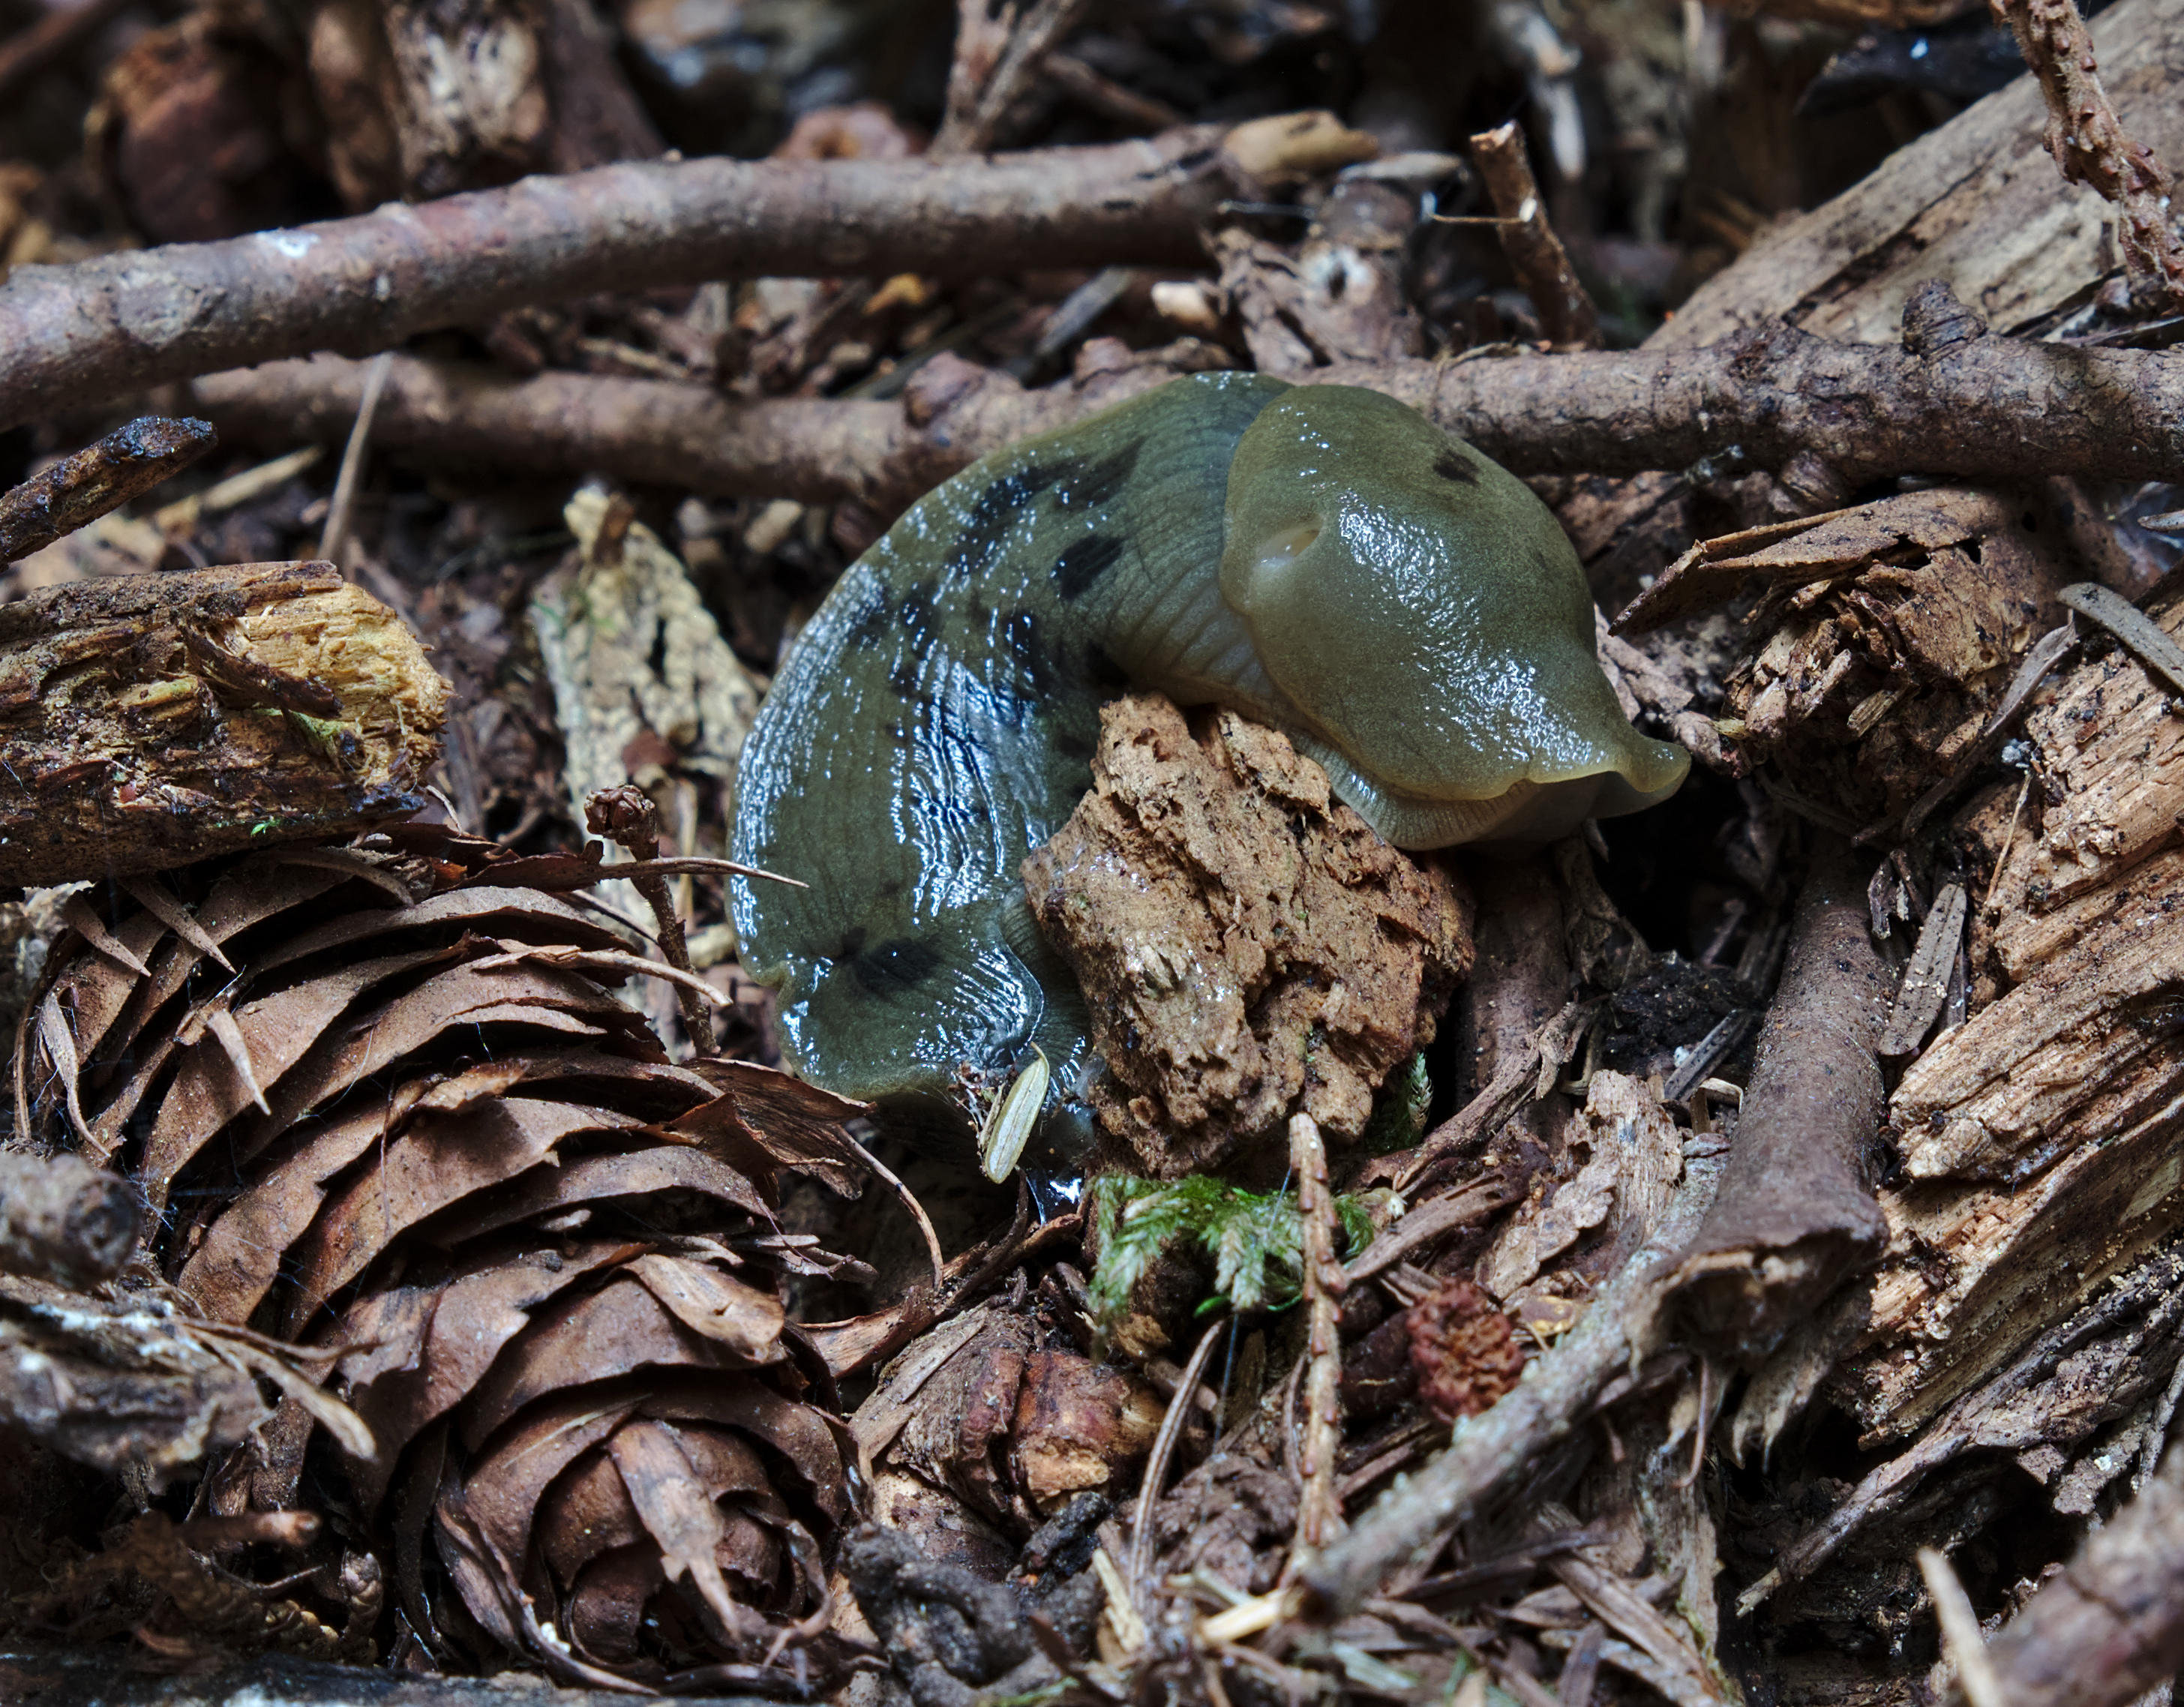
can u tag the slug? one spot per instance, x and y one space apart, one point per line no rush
1321 559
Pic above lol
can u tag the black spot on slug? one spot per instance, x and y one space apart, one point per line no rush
869 621
1073 746
1102 671
903 678
1084 562
1100 485
894 969
1453 465
1034 664
995 511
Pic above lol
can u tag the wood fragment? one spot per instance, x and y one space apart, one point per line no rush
1961 1641
2129 624
1925 986
1536 255
1796 1211
74 334
63 1220
79 489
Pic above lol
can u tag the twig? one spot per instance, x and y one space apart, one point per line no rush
74 334
1492 1451
998 57
1796 1212
1171 1431
1960 1631
61 1218
1991 409
1536 255
79 489
343 505
1319 1508
2092 147
627 816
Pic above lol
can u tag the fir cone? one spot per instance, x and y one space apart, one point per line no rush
382 1102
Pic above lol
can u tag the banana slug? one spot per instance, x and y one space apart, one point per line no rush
1321 559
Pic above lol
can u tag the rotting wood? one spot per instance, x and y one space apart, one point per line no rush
146 721
71 335
1975 203
2038 1139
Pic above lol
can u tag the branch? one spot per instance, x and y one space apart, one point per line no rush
61 1218
1796 1211
1535 253
1982 408
77 490
74 334
2090 144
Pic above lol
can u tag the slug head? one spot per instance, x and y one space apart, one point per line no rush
1429 622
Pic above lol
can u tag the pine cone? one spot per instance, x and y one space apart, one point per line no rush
382 1102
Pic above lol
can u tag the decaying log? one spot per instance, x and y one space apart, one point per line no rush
1795 1212
71 335
2039 1140
148 721
1987 409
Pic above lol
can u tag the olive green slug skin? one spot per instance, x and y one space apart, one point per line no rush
1321 559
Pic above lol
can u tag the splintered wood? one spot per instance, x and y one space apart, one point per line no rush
2039 1138
144 722
1248 947
1891 629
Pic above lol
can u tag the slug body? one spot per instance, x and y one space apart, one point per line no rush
1321 559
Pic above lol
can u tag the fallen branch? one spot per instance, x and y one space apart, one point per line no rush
71 335
2111 1625
2091 146
1535 253
1796 1211
77 490
1492 1452
1983 409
